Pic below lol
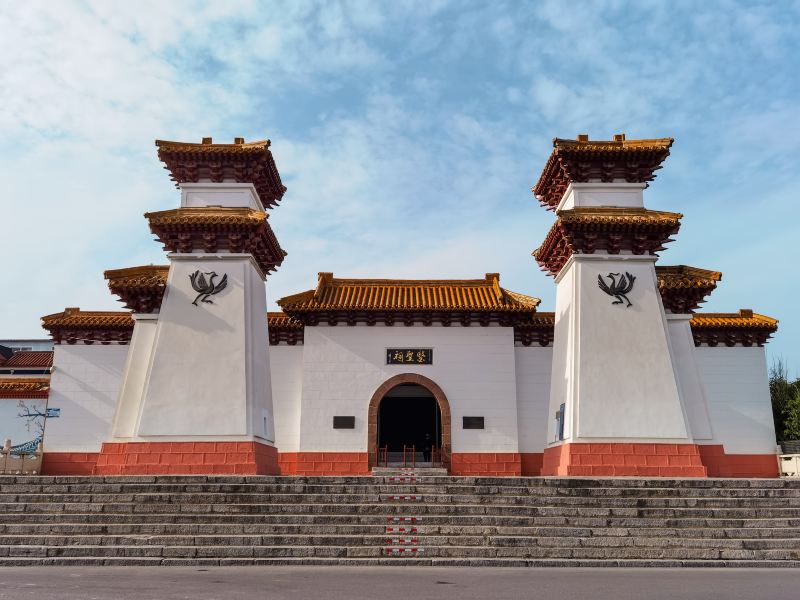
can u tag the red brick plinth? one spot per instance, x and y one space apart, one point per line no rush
624 460
69 463
720 464
532 463
324 463
187 458
502 464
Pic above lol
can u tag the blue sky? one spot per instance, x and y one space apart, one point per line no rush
409 134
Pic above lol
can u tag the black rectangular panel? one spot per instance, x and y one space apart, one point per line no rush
409 356
344 422
473 422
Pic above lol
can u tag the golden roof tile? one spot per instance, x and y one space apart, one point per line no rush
76 325
408 295
221 217
243 162
683 288
239 230
745 327
141 289
583 160
587 230
745 318
27 387
604 216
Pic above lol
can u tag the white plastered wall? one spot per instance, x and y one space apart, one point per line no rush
613 367
286 365
533 365
736 384
344 365
209 369
691 384
84 385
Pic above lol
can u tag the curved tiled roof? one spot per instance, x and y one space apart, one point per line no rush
24 388
76 325
745 318
683 288
30 359
141 289
243 162
745 327
472 295
583 160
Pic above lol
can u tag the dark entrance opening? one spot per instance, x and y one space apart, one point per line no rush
408 416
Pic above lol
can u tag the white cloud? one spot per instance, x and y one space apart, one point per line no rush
409 134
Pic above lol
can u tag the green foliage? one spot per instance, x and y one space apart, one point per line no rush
791 421
785 395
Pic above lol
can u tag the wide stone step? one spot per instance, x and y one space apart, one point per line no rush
219 552
449 486
620 523
578 482
382 528
398 497
8 542
415 508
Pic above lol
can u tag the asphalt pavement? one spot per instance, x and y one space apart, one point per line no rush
385 583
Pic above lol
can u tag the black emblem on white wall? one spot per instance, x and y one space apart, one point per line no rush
620 286
203 284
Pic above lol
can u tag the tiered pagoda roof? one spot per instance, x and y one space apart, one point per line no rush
587 230
683 288
408 301
212 230
250 162
583 160
141 289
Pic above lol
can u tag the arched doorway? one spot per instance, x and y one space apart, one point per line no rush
409 409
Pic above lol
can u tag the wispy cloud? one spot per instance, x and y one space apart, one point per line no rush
409 134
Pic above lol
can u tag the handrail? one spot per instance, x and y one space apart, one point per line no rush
21 459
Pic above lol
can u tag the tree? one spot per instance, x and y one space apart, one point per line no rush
791 420
785 396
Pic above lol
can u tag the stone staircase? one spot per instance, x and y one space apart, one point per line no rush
403 518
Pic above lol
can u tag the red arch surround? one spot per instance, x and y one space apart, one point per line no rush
393 382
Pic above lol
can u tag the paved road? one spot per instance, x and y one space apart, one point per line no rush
347 583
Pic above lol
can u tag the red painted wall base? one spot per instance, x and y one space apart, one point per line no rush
186 458
503 464
324 463
620 459
252 458
532 463
720 464
69 463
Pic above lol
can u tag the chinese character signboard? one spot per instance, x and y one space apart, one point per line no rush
409 356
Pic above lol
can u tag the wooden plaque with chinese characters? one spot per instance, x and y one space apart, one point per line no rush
409 356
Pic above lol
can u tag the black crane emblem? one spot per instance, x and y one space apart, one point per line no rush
618 287
206 287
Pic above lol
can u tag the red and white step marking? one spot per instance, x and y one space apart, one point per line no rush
401 530
402 541
402 519
399 551
403 478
